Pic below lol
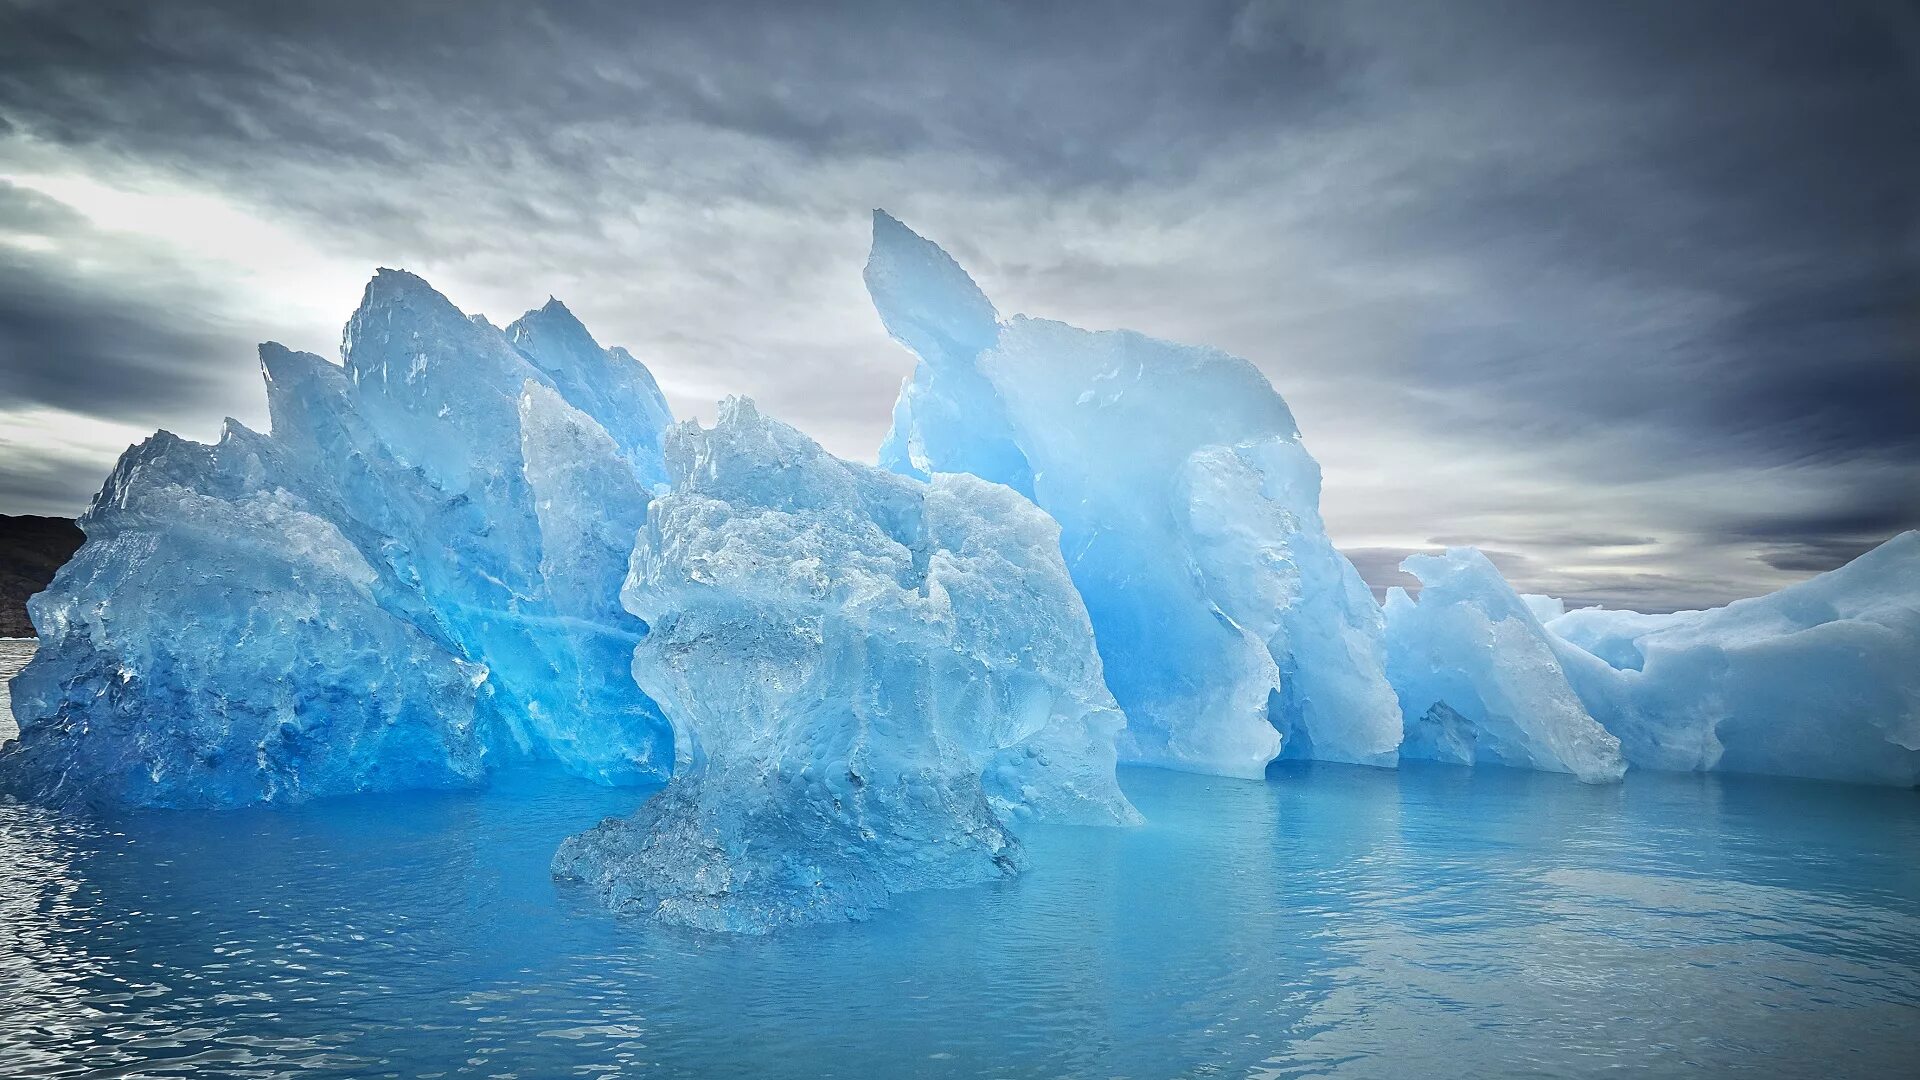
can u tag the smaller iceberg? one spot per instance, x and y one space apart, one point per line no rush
872 680
1820 679
1478 677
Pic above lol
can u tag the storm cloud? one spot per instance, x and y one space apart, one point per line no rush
1628 292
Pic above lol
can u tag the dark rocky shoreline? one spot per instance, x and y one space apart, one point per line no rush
31 549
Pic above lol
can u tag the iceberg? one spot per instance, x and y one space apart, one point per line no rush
463 545
873 682
1820 679
407 579
1479 679
1230 627
215 643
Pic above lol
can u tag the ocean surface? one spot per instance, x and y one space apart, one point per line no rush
14 654
1331 921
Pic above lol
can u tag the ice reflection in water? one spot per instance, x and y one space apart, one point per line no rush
1332 921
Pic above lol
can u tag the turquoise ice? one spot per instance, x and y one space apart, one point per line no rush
873 682
1231 628
1819 679
1478 678
406 581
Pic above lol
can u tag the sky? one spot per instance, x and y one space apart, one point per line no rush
1626 294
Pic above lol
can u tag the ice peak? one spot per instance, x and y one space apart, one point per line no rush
926 300
552 325
391 284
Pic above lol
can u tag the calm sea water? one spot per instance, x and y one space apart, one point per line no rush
14 654
1331 921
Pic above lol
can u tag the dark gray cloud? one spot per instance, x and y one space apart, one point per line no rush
1629 291
109 349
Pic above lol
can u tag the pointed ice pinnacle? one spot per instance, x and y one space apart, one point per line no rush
608 385
1188 511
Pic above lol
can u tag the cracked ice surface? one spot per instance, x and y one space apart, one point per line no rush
871 680
369 598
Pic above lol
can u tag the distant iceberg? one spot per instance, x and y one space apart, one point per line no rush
1189 512
871 679
1820 679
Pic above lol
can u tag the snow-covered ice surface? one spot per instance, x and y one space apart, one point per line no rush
871 679
1478 678
360 600
1820 679
1188 509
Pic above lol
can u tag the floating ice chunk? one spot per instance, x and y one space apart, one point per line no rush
1478 678
1188 511
428 473
1820 679
216 643
411 459
869 678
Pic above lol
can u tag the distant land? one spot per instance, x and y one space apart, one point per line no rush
31 549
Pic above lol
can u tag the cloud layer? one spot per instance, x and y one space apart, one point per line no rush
1626 292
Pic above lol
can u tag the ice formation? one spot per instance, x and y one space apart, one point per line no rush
217 642
391 587
1819 679
1478 677
1188 509
870 679
429 567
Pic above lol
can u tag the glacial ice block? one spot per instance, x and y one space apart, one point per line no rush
608 385
591 504
1478 677
412 456
1188 508
215 642
871 680
1820 679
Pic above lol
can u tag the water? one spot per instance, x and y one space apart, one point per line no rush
1332 921
14 654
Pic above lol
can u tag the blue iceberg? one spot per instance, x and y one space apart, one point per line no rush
1820 679
1079 547
217 642
408 578
1189 514
1479 679
873 681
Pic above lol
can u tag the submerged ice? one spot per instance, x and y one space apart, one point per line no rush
406 578
871 679
1231 628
